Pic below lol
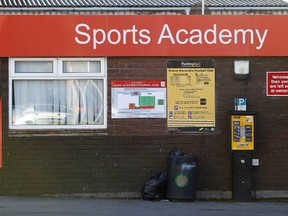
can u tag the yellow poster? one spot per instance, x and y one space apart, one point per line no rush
191 95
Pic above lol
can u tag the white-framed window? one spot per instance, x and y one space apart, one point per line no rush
57 93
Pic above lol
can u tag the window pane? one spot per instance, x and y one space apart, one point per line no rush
60 102
81 67
33 67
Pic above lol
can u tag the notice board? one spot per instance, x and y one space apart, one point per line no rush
138 98
191 95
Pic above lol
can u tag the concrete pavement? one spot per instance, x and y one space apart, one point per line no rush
24 206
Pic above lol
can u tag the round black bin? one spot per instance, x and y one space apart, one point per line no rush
181 182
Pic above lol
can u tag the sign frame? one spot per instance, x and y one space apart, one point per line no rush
138 99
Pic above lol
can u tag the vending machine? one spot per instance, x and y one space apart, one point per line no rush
242 145
242 131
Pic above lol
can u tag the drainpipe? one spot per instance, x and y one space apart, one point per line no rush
203 7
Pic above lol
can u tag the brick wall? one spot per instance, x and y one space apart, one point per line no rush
122 157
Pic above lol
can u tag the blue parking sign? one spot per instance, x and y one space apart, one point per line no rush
240 104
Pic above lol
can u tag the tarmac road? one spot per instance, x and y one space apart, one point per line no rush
23 206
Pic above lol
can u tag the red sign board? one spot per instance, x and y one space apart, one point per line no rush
145 35
277 83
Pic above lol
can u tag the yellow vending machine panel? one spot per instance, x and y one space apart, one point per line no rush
243 131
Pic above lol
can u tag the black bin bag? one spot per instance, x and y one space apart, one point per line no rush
155 187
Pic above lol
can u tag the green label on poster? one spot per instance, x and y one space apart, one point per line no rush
146 100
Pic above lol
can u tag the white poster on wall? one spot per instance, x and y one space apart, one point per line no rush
138 99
